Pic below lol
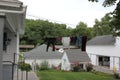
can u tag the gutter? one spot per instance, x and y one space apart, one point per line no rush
14 12
11 3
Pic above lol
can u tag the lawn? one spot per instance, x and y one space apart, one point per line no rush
59 75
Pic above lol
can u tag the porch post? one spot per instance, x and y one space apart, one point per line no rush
1 43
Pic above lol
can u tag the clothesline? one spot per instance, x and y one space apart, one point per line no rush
80 42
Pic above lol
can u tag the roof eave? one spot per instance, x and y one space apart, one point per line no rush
11 3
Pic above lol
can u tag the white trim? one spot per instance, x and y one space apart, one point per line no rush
16 24
2 14
17 54
11 3
12 11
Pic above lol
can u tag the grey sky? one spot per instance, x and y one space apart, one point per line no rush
70 12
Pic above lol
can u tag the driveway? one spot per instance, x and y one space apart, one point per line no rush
102 69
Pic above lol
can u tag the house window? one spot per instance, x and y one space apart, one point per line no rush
4 41
104 61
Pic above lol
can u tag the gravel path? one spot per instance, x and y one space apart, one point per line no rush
103 69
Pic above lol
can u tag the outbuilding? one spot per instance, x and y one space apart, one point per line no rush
39 54
74 56
104 51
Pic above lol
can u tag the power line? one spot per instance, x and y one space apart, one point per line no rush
37 17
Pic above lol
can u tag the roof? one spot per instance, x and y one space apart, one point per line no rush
76 55
15 13
11 3
41 53
102 40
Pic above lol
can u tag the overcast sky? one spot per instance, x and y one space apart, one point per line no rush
70 12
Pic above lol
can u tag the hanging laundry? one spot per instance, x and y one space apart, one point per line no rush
84 40
49 42
79 42
59 40
66 41
73 40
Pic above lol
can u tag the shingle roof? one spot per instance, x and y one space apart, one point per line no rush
40 53
102 40
76 55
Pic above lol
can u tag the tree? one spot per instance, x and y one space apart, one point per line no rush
116 13
104 26
82 30
37 30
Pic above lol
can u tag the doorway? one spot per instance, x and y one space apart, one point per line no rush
104 61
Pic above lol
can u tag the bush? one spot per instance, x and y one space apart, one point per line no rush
44 65
116 75
37 67
89 67
24 66
76 68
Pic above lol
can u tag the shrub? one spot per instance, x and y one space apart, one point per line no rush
37 67
89 67
24 66
44 65
116 75
76 68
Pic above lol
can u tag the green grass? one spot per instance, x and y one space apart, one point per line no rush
59 75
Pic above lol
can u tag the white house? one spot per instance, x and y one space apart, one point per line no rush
74 56
39 54
104 51
12 16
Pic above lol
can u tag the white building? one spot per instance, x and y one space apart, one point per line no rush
39 54
74 56
104 51
12 16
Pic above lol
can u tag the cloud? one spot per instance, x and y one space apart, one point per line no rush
67 11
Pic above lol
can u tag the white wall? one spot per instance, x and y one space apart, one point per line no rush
65 63
54 62
93 59
113 51
115 62
104 50
12 48
8 55
7 72
117 41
